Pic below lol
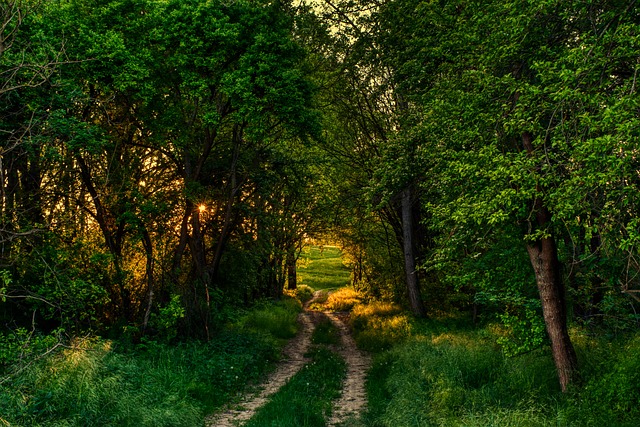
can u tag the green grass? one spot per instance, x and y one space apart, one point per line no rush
97 382
277 320
325 333
306 399
322 268
448 373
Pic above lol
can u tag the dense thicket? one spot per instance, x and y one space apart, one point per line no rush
163 162
162 159
510 129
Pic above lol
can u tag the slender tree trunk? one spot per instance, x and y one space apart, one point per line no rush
148 248
229 221
543 254
292 275
413 288
544 259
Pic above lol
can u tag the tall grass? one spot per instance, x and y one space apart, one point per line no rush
97 382
443 373
379 325
278 320
344 299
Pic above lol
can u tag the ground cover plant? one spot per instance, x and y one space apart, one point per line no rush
325 333
306 399
94 381
451 373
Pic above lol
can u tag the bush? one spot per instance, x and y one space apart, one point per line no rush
302 292
378 326
343 299
278 320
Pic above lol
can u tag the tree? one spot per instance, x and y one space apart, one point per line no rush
508 96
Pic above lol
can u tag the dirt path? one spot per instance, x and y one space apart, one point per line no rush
353 400
292 362
350 404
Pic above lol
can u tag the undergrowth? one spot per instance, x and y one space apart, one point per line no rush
344 299
303 293
98 382
449 373
278 320
379 325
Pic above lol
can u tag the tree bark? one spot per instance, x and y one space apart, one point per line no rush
413 288
292 275
543 254
148 248
544 259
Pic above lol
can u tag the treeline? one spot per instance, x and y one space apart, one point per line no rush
155 159
499 146
163 159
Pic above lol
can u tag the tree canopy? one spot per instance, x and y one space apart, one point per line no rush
164 159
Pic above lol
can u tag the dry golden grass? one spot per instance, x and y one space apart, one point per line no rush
344 299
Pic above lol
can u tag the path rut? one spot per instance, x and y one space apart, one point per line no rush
353 399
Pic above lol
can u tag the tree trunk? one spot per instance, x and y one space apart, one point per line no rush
544 259
413 288
292 275
148 248
543 254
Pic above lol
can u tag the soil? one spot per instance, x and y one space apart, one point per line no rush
353 399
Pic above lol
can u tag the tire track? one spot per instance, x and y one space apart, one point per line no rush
353 400
292 362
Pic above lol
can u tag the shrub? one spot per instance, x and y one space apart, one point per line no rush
302 292
378 326
278 320
343 299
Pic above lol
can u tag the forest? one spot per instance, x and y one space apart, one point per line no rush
166 167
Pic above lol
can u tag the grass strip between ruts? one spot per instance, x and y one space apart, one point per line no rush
306 399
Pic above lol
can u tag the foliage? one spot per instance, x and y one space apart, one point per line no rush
171 125
167 318
526 330
95 381
306 399
378 326
20 347
344 299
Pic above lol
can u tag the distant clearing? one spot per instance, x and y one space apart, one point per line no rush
321 267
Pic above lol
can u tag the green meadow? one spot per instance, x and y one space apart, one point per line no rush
322 268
